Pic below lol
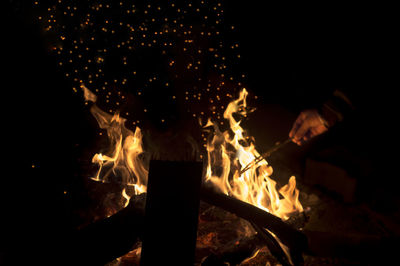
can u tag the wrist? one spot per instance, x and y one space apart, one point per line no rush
329 116
323 120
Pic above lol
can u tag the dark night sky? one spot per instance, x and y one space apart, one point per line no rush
310 48
301 52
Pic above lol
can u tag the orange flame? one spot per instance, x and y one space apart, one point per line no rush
227 153
230 151
124 158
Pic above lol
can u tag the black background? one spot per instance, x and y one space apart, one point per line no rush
302 51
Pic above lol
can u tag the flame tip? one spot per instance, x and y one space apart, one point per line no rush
254 186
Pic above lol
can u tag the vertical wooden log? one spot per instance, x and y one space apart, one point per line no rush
171 217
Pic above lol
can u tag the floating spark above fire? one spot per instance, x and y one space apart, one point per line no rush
182 52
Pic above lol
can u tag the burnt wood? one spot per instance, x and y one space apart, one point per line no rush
168 223
289 236
233 254
274 247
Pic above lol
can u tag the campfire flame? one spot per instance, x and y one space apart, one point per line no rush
124 160
227 153
230 151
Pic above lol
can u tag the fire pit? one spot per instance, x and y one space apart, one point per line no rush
250 195
229 229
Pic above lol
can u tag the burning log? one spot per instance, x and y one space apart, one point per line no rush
233 254
105 240
274 246
218 243
240 242
293 239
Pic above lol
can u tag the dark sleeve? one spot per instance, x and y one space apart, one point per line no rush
337 107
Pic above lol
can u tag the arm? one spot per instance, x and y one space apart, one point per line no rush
314 122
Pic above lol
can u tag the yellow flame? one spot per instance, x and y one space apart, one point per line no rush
227 153
251 257
123 160
88 95
284 248
126 196
230 151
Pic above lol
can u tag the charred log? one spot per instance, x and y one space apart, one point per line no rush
289 236
274 247
105 240
234 254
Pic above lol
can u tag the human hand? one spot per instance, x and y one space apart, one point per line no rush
308 124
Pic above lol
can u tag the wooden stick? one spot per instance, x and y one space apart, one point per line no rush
265 155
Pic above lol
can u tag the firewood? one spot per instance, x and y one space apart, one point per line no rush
233 254
289 236
171 219
275 248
